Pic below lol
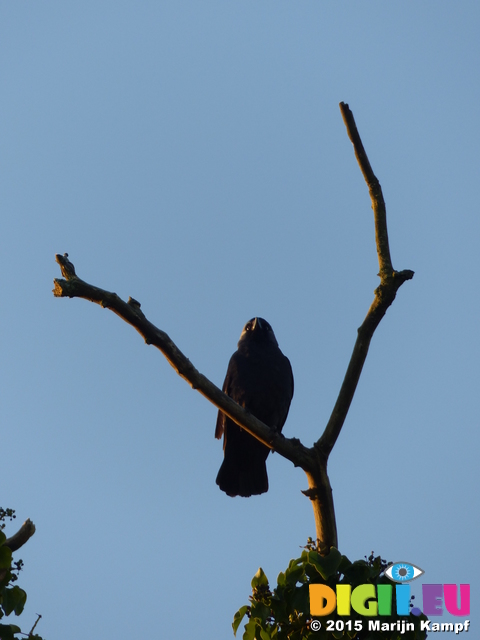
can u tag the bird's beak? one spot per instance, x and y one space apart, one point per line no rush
256 323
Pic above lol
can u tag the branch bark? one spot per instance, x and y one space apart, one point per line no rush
73 287
312 460
390 282
22 536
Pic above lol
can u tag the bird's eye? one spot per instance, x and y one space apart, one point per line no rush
403 572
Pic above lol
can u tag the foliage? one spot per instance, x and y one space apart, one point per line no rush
284 613
12 597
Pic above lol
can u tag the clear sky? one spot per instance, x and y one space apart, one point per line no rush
192 155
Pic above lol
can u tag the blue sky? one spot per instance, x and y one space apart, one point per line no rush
192 155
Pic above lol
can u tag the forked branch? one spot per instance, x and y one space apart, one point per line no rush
312 460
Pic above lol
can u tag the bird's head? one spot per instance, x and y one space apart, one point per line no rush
258 330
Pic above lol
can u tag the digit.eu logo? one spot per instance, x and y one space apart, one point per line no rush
377 600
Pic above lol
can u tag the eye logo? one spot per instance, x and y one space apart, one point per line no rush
403 572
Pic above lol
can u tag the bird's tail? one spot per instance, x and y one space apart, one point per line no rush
241 478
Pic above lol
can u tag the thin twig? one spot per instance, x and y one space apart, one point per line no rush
375 190
33 628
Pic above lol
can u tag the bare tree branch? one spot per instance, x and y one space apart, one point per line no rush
312 460
73 287
390 282
30 635
375 190
22 536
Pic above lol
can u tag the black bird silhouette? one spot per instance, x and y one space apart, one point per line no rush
259 378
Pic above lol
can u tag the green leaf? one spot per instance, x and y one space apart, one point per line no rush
344 565
284 608
296 562
325 565
265 635
260 612
279 609
250 629
5 558
301 600
7 631
259 579
3 537
294 575
14 599
359 573
21 598
295 572
238 617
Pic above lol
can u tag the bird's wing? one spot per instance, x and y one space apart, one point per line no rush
220 427
221 418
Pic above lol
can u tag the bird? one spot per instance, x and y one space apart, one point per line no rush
260 379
